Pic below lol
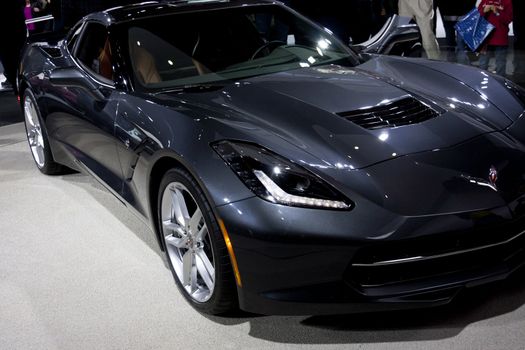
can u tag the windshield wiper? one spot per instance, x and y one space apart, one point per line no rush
259 66
193 88
201 87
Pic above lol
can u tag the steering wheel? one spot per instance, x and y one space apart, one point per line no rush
266 45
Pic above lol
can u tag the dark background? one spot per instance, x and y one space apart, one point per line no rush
346 18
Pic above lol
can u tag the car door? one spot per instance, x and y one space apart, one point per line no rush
84 122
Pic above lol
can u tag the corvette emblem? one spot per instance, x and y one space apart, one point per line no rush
493 176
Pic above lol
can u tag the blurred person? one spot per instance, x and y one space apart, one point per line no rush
55 9
518 9
2 76
42 8
451 12
499 13
12 22
423 12
434 19
383 10
28 14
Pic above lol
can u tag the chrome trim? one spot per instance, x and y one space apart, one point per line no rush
444 255
40 19
90 75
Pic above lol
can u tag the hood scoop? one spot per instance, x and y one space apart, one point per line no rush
390 114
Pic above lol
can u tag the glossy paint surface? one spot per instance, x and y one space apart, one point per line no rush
407 183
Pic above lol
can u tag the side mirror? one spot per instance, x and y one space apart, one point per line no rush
73 77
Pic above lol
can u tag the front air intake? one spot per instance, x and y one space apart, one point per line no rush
405 111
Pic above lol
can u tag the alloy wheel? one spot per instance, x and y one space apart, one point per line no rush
188 242
34 132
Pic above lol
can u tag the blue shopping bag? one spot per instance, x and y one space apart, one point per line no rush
474 29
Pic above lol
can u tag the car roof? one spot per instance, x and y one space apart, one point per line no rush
159 8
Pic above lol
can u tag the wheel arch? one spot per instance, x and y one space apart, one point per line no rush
161 165
23 84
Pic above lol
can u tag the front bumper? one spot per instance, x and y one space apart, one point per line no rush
297 261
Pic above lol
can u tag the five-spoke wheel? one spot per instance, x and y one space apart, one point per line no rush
194 244
37 137
34 131
187 241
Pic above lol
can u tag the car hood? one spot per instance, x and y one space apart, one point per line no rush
302 106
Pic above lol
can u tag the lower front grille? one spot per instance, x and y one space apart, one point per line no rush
426 260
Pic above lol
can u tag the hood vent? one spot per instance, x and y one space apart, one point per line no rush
401 112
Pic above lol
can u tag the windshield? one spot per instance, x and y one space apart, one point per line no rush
227 44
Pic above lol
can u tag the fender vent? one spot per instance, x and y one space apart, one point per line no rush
404 111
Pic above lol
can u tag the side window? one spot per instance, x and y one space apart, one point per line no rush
94 51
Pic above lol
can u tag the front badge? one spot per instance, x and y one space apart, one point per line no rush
493 176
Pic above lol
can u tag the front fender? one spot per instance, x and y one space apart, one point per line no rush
489 86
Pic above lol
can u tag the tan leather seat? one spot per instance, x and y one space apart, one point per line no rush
105 65
201 69
144 65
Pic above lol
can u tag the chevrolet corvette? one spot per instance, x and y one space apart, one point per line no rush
282 171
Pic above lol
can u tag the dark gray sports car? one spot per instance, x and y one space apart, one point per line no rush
282 171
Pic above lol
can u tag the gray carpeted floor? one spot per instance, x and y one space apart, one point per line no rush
79 271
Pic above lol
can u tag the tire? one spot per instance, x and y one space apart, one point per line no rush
189 229
37 137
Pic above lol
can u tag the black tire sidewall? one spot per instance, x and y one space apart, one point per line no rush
223 273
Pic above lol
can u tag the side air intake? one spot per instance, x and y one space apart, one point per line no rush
52 52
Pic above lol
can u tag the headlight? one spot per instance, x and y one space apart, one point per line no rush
278 180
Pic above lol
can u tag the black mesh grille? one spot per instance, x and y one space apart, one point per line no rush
405 111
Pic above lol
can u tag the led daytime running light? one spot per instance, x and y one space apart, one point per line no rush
281 196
